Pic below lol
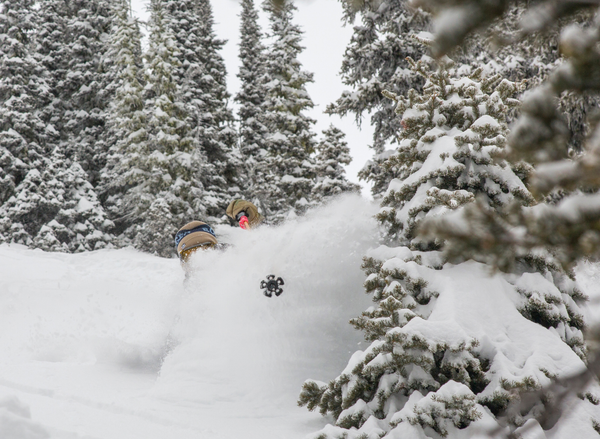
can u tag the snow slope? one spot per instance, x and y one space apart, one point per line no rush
111 344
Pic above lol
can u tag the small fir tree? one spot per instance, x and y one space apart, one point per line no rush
155 235
33 205
473 107
55 208
332 154
288 166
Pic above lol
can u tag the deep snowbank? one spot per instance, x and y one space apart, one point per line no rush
110 344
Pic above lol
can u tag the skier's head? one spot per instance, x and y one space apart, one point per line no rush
238 210
240 214
194 236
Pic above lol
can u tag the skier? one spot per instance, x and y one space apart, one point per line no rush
192 237
245 213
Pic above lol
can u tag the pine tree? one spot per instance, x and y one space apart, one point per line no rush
421 377
55 208
251 99
565 232
532 60
166 165
155 235
332 154
288 167
91 91
428 118
122 61
375 60
127 119
54 54
201 76
73 46
33 206
23 95
47 201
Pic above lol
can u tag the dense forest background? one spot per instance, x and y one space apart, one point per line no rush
123 146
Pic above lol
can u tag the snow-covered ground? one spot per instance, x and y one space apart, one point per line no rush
111 344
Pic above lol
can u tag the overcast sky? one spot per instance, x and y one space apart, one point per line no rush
325 41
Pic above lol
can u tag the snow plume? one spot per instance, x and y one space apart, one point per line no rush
229 332
111 345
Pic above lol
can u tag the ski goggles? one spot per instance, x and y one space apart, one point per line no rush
240 215
183 233
185 255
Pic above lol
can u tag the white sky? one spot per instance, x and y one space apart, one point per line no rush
325 40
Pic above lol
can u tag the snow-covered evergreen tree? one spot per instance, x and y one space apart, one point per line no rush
47 201
451 348
23 94
73 42
91 94
251 99
332 154
288 167
123 58
375 60
127 119
567 231
201 78
161 162
532 59
156 234
53 53
55 208
426 179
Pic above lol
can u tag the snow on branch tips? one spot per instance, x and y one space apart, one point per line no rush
541 137
456 20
